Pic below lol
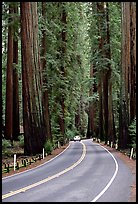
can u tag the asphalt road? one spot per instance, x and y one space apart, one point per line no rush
84 172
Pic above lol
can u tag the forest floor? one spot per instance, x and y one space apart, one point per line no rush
131 163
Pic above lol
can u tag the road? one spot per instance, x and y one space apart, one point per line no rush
84 172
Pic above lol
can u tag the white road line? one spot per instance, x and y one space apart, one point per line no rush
48 178
37 166
111 180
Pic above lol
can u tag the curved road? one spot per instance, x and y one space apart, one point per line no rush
84 172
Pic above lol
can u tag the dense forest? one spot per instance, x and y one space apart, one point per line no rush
68 68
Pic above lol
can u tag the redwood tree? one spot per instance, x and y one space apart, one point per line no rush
111 124
103 81
106 117
16 129
128 72
45 93
34 127
9 81
62 68
90 131
132 61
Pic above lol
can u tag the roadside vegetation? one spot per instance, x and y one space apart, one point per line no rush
68 68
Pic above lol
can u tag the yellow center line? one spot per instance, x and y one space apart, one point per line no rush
48 178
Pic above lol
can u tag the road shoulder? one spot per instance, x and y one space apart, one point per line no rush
131 165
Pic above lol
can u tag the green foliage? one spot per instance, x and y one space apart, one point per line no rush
94 97
21 140
55 144
132 133
70 134
82 50
16 25
84 124
61 140
76 63
6 143
48 146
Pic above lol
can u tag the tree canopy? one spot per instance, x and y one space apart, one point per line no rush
68 68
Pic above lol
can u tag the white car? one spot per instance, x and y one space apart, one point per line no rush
77 138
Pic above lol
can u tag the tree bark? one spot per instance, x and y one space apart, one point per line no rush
111 124
128 72
9 82
103 81
90 131
133 60
34 128
45 83
123 114
16 124
63 51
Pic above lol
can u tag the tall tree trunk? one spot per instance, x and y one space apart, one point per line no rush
78 119
9 82
90 130
111 124
103 83
123 114
133 60
106 85
93 105
105 106
126 60
34 128
16 128
128 72
45 91
62 57
101 130
105 71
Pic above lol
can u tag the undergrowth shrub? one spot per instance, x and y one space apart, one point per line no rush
6 143
132 133
21 140
48 146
